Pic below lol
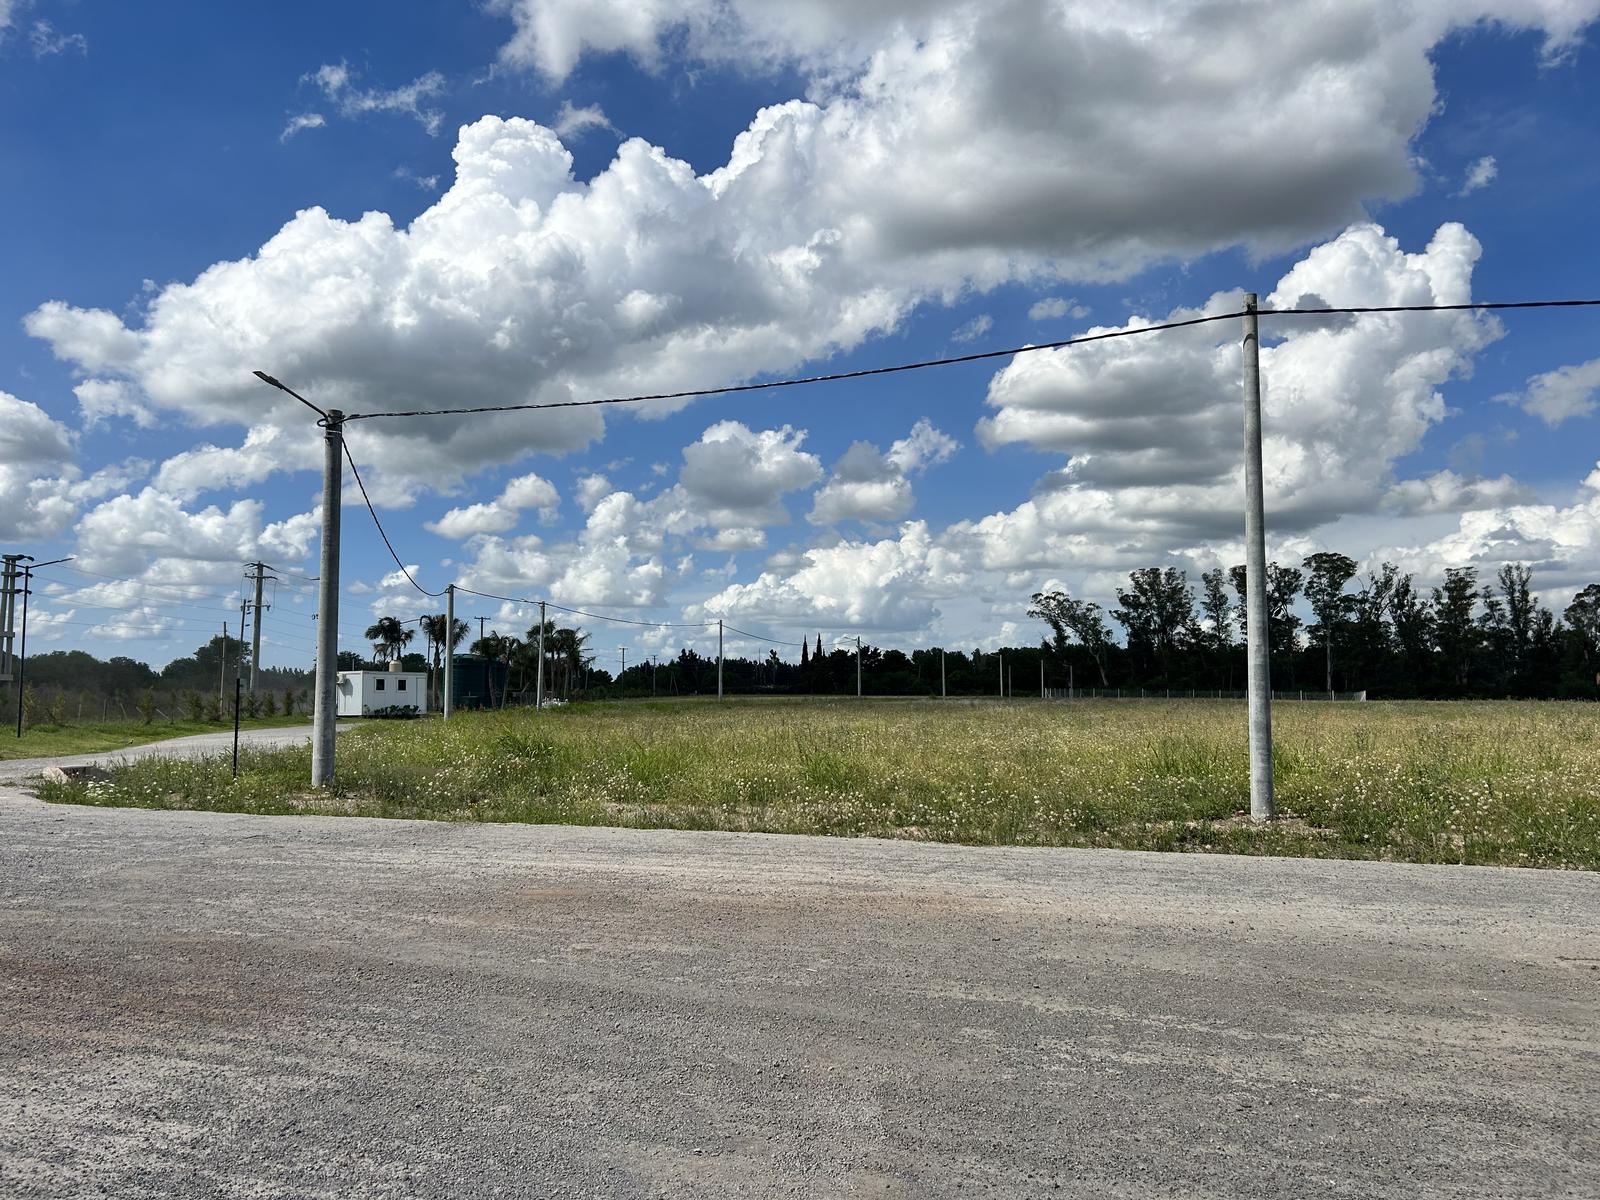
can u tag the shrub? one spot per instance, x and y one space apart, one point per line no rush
393 712
147 706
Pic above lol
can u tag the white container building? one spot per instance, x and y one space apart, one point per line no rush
362 693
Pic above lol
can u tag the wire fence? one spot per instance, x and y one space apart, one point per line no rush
1187 694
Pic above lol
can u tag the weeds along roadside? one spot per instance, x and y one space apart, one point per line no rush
1513 784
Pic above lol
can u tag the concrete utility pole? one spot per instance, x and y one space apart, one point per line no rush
448 702
8 617
719 660
325 702
1259 654
538 675
21 652
21 657
259 570
624 670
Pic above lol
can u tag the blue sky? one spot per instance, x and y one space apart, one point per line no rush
939 178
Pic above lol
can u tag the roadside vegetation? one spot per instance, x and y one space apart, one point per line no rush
92 737
1513 784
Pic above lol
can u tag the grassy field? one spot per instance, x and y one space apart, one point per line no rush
90 737
1515 784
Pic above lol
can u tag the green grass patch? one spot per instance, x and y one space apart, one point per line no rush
93 737
1513 784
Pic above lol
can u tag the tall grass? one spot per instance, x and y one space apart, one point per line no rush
1503 783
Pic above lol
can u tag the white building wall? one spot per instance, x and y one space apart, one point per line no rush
362 692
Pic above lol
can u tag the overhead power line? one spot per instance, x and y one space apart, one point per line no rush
770 384
760 638
867 372
578 612
355 471
978 356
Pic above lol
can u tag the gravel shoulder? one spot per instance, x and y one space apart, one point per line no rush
224 1005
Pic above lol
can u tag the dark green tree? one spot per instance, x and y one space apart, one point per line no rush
1157 610
1070 620
1456 632
1326 573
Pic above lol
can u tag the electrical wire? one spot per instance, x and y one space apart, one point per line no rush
768 385
758 637
354 471
578 612
1486 306
979 356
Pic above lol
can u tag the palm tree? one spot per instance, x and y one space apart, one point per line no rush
388 637
433 629
497 647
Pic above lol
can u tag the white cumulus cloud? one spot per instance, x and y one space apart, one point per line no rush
1560 395
1479 175
501 514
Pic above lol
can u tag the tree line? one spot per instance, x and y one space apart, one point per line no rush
1386 635
1382 633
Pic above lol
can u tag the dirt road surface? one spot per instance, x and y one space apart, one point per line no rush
211 1005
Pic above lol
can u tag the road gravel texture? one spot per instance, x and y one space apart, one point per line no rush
201 1005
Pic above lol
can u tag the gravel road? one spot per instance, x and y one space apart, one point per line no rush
211 1005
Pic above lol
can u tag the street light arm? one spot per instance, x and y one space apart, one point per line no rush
268 379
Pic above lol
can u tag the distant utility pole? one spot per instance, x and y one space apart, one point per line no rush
1041 677
481 622
449 649
1258 654
222 674
1002 665
259 574
8 615
538 675
652 677
943 694
624 670
26 587
858 666
719 660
